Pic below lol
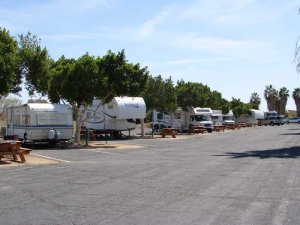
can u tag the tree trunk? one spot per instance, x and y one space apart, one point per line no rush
282 107
297 102
78 124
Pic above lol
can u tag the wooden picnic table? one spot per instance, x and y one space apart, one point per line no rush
13 149
197 129
168 131
218 128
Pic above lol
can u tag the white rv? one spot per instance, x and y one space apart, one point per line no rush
161 119
40 122
217 117
193 117
228 119
222 119
252 117
120 114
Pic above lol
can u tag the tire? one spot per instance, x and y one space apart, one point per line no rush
209 130
272 123
287 122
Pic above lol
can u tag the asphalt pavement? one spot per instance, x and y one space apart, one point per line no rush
249 176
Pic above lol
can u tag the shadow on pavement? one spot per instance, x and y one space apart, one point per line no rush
293 152
290 134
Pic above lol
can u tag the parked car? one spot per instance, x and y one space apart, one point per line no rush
293 120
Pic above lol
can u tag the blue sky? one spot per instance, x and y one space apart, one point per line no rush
236 47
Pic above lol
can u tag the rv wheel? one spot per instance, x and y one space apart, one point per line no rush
209 130
272 123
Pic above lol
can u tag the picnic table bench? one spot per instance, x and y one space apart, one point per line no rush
13 149
196 129
232 126
168 131
218 128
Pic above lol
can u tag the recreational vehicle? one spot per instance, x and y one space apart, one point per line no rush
183 120
120 114
161 119
220 119
251 118
217 117
228 119
40 122
271 118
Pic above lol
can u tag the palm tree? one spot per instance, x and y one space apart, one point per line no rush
283 95
296 96
271 96
255 100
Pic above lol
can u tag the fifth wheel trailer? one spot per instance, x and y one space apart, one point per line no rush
40 122
119 114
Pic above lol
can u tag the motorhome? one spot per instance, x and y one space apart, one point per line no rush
228 119
251 118
40 122
119 114
217 117
197 116
161 119
220 119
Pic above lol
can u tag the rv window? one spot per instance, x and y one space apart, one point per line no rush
26 119
201 118
17 119
159 116
52 118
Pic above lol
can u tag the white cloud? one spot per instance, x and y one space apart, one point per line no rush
235 12
150 25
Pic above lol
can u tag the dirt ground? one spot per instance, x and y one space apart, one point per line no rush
30 160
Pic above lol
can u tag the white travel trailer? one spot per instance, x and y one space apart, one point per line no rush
252 117
120 114
193 117
40 122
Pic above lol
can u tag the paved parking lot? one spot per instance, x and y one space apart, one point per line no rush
250 176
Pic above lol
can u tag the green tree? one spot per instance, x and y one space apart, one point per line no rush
9 64
255 100
34 64
119 76
296 96
79 82
271 96
22 59
75 82
39 100
283 96
192 94
5 102
160 94
238 107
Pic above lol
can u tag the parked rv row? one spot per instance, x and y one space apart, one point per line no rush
54 122
207 118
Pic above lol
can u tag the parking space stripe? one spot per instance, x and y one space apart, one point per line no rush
47 157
